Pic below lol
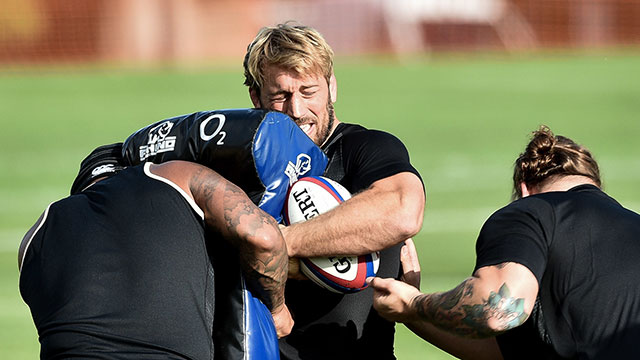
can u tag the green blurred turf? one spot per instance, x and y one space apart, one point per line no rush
464 120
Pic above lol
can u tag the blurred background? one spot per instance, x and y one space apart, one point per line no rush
461 82
182 32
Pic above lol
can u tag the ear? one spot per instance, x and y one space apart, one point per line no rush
333 88
255 98
525 190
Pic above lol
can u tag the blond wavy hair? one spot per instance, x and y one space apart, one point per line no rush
291 46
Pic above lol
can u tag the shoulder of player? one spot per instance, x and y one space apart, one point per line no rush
537 208
28 237
358 133
174 170
533 202
177 174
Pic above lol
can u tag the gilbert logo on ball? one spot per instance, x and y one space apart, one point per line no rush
307 198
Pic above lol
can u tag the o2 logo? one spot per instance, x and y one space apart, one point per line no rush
206 137
342 265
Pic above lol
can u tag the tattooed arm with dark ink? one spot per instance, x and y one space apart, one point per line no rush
229 212
495 299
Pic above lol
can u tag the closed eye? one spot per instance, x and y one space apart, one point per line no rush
279 97
309 92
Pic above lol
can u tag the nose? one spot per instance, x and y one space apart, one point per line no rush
296 107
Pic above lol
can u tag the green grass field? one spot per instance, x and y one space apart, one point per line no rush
464 120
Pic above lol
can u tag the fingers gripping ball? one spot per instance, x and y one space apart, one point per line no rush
307 198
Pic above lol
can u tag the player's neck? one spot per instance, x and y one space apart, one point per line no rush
336 122
565 183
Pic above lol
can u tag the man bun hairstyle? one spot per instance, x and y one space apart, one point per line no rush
548 156
104 161
291 46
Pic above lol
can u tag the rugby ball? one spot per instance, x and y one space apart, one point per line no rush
307 198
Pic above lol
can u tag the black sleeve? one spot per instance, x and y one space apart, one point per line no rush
372 155
520 232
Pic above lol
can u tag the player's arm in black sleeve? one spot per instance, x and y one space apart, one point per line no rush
501 293
511 258
376 156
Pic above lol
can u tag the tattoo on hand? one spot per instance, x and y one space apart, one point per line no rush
455 311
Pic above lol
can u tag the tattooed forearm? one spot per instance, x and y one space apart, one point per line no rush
263 253
255 234
266 277
466 313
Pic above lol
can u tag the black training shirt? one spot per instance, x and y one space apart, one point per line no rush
120 271
584 249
